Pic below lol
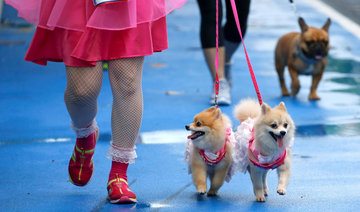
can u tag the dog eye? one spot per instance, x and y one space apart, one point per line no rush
198 124
325 42
309 42
285 125
274 126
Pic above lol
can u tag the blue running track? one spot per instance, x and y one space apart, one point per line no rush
36 141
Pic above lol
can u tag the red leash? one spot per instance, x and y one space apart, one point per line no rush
233 5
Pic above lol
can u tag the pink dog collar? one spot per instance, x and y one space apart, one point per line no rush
219 154
278 162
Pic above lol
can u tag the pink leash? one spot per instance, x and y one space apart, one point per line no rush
217 55
233 5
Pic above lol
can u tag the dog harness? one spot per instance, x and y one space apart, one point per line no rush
211 158
309 61
257 155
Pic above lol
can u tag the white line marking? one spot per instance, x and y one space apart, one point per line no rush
56 140
345 22
164 137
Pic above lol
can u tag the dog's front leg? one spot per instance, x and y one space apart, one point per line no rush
280 66
256 175
218 180
266 189
199 175
315 82
284 174
295 82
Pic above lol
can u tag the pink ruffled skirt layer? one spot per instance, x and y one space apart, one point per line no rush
79 34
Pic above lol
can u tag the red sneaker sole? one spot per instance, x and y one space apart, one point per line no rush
123 200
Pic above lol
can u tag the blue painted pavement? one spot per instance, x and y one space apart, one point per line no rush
36 141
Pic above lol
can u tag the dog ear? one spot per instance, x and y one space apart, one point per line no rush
211 109
281 106
218 113
265 108
303 25
326 25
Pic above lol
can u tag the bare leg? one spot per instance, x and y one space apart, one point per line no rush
224 97
209 54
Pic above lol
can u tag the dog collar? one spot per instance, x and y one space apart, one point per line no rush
211 158
257 155
300 54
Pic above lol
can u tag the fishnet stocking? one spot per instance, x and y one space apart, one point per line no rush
125 79
82 89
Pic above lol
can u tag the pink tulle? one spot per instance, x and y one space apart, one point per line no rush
49 14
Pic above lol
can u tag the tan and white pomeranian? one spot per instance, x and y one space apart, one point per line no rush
209 150
265 137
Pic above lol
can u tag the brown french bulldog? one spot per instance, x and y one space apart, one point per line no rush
303 53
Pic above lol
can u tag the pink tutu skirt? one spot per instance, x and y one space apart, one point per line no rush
79 34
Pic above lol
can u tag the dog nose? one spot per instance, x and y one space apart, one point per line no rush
318 48
282 133
187 127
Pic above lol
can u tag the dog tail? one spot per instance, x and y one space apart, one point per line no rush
247 108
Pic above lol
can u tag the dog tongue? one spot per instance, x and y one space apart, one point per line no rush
318 57
196 134
280 142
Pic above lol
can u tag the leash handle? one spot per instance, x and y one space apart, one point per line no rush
233 5
217 55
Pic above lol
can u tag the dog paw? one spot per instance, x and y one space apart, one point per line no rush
212 193
285 93
266 192
260 199
201 191
314 97
281 191
295 88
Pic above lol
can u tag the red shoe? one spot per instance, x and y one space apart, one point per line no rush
81 165
119 191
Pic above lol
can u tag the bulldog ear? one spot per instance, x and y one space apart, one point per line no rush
303 25
326 25
265 108
281 106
